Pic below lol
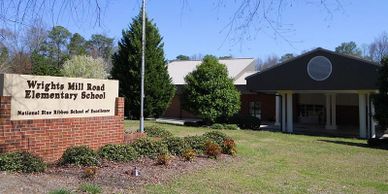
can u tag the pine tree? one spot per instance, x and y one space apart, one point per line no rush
158 87
77 45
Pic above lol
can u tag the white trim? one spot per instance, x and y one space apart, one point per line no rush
327 109
283 112
374 123
290 119
333 111
277 111
362 114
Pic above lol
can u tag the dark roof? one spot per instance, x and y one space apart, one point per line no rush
348 73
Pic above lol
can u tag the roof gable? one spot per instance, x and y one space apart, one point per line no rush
348 73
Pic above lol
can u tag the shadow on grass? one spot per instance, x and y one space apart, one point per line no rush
313 134
383 146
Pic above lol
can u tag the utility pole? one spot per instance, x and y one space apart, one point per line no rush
142 70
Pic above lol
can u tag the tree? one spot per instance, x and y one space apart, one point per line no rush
36 35
100 46
84 66
269 62
4 64
56 45
209 92
42 65
21 63
349 48
379 47
182 58
286 57
126 68
77 45
381 99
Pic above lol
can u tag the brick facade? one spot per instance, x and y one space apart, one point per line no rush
267 102
267 105
48 138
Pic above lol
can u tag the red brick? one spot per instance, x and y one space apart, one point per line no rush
48 138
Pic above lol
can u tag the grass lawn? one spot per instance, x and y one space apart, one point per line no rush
271 162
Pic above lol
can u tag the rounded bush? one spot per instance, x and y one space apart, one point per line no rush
164 159
217 126
196 143
80 156
231 127
189 154
229 147
149 147
212 149
216 136
118 152
176 145
21 162
156 131
242 121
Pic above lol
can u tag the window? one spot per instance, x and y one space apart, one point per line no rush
311 113
319 68
255 109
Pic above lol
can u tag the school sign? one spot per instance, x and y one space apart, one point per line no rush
45 114
42 97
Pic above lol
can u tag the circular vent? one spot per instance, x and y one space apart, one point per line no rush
319 68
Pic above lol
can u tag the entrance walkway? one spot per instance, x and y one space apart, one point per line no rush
177 121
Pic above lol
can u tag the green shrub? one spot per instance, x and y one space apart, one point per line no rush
212 149
118 153
176 145
209 92
61 191
217 126
197 143
231 127
149 147
156 131
189 154
242 121
216 136
21 162
80 155
90 188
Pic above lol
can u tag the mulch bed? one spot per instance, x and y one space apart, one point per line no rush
112 177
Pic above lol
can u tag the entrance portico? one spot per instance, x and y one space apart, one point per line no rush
318 109
321 89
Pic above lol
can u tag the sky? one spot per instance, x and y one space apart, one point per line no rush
200 27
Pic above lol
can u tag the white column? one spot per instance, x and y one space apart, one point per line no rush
289 113
328 107
333 112
362 114
283 112
373 125
277 111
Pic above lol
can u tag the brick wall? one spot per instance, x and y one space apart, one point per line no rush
267 102
48 138
267 106
175 109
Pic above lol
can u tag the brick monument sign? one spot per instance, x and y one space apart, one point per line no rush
45 115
